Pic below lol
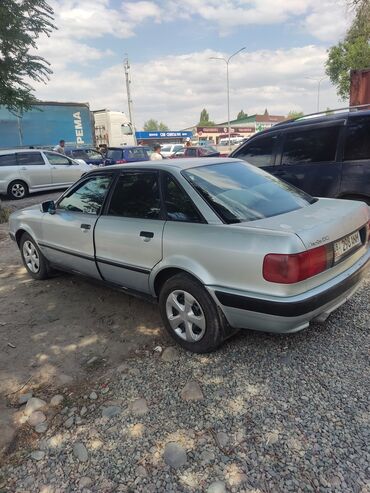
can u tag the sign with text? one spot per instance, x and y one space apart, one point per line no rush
223 130
164 135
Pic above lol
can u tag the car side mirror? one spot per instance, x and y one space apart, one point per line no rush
48 206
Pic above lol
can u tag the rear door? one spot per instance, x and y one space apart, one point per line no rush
64 171
128 237
35 171
67 235
309 159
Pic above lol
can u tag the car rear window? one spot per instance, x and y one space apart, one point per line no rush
138 154
240 192
115 154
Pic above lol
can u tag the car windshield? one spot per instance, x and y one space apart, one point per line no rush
239 192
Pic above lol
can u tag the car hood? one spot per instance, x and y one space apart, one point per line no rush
322 222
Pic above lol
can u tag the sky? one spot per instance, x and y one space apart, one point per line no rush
169 45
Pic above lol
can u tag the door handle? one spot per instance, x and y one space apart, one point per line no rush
146 234
85 226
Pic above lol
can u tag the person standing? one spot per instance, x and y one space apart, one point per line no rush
60 147
156 154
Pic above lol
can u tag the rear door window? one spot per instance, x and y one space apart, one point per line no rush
179 206
357 144
310 146
115 154
259 152
136 154
8 160
30 159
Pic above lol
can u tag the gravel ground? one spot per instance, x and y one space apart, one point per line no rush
264 414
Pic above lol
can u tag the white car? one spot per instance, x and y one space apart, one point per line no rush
24 171
168 150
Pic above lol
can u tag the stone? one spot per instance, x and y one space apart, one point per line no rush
85 482
170 354
41 428
34 404
207 456
56 400
24 398
83 411
80 452
217 487
192 391
139 407
141 472
69 422
110 411
223 438
93 396
38 455
105 390
36 418
174 455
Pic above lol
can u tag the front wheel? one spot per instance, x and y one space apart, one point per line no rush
190 315
17 190
34 261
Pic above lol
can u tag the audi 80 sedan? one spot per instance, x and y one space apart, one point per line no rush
219 243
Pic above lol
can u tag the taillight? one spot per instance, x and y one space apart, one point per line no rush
120 161
291 268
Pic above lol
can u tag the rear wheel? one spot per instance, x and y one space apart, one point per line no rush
17 190
190 314
34 261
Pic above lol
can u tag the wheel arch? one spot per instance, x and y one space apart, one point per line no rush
160 276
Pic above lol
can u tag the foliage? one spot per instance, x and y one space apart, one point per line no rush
353 53
241 115
294 114
152 125
21 24
204 120
4 213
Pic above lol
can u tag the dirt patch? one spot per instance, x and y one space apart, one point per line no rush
62 330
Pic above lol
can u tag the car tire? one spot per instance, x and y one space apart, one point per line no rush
36 264
17 190
183 304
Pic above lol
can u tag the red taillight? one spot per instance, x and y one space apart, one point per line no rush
291 268
121 161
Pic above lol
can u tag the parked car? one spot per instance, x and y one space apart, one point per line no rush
193 151
89 155
324 155
34 170
128 154
168 149
220 244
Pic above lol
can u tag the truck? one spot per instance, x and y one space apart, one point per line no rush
360 87
112 129
45 124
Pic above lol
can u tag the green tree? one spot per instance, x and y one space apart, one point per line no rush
21 24
241 115
204 120
294 114
154 125
353 53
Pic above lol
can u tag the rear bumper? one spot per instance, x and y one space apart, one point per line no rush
293 313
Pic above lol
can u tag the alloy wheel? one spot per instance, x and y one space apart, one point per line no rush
31 256
185 316
18 190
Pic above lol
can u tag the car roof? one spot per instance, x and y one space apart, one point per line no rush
167 164
10 151
124 147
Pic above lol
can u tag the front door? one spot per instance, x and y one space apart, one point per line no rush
64 171
34 170
128 238
68 235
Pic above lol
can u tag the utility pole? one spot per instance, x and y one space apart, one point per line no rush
126 67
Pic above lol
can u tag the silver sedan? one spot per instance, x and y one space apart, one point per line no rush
219 243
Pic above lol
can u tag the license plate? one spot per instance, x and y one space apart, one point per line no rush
345 245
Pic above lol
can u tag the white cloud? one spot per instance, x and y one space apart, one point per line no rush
176 88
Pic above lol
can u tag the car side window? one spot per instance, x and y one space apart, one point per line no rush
57 159
259 151
136 195
8 160
357 144
88 197
30 159
310 146
191 152
179 206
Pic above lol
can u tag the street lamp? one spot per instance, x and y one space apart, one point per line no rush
227 61
318 80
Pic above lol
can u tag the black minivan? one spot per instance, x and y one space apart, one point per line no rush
324 155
